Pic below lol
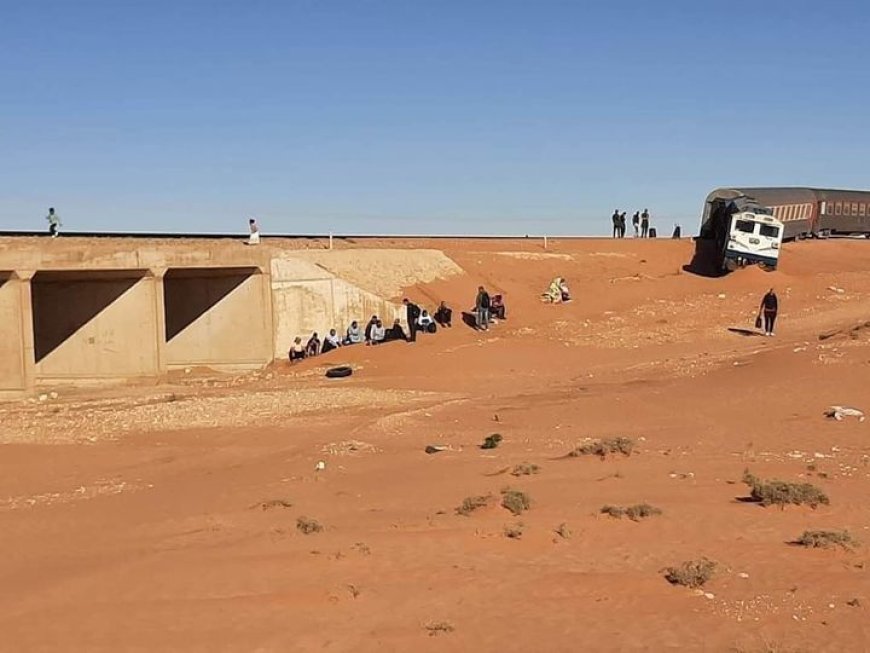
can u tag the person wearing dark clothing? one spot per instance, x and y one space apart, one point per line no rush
622 225
369 327
497 307
412 312
312 347
644 224
396 332
443 315
481 309
635 222
615 219
769 307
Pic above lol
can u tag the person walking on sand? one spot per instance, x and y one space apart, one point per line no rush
481 309
635 222
769 307
254 238
54 223
622 225
615 220
644 224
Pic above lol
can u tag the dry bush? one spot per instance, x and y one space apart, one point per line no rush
692 573
275 503
563 531
634 513
782 493
491 441
513 532
605 447
308 526
439 627
826 539
515 500
470 504
525 469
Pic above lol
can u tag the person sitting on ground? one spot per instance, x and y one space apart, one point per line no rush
554 292
425 322
396 332
369 327
444 315
497 307
563 289
254 238
354 334
330 342
312 347
297 351
378 333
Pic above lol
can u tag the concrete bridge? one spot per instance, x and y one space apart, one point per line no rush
78 310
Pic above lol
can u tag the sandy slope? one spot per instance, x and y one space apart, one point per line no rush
144 531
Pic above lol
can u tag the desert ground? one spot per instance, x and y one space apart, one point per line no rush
184 516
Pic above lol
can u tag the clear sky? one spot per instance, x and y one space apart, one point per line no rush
421 116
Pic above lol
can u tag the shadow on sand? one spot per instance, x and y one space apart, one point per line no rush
744 332
704 260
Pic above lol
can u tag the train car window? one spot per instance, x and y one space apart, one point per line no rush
824 209
769 231
854 208
746 226
838 208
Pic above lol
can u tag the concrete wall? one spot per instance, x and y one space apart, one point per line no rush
220 318
94 325
307 298
11 342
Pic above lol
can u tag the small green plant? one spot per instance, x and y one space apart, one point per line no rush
826 539
308 526
515 500
692 573
634 513
525 469
782 493
470 504
605 447
491 441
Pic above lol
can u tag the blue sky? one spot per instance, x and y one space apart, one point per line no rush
420 116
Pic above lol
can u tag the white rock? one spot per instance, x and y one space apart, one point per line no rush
320 466
709 595
743 574
43 397
53 395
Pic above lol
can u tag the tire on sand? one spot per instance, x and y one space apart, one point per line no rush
339 372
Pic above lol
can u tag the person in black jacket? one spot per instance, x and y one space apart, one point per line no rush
411 314
481 309
769 307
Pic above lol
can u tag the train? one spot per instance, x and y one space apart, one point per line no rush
804 212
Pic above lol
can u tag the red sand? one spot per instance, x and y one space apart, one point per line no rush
156 541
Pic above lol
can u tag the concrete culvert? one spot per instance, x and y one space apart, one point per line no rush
339 372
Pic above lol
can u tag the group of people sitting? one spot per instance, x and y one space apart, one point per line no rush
375 332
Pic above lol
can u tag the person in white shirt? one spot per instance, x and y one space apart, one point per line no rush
425 322
330 342
254 238
378 333
354 334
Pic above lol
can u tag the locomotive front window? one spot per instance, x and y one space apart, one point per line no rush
746 226
769 231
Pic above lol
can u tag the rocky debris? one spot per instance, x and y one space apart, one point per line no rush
840 412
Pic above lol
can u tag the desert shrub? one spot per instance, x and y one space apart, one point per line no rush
605 447
782 493
515 500
514 532
308 526
525 469
470 504
491 441
439 627
692 573
563 531
825 539
275 503
634 513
